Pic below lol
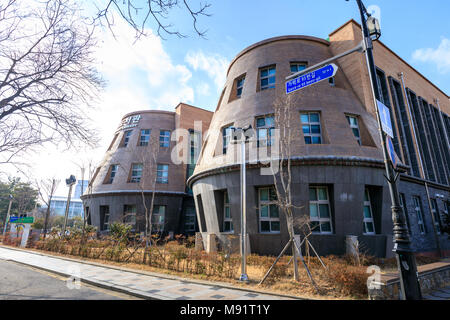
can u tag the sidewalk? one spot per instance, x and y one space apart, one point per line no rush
139 283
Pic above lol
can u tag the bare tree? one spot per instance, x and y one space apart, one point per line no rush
46 75
284 110
138 14
46 189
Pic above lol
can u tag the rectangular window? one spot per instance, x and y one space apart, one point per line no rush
267 78
126 138
129 215
226 138
104 218
269 218
162 173
189 219
319 210
353 122
369 226
311 127
227 220
265 127
158 215
136 172
113 172
405 210
144 138
418 210
164 138
296 67
239 86
436 215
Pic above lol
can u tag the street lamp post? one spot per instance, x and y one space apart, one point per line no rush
7 215
242 135
69 182
410 288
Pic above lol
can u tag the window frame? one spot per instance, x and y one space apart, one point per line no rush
144 143
368 203
186 223
240 86
159 225
162 179
436 215
162 144
268 77
296 64
419 214
126 138
269 140
269 203
127 214
229 219
353 126
226 138
318 203
136 179
310 124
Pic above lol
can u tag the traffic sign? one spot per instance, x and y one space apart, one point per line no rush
313 77
385 116
391 151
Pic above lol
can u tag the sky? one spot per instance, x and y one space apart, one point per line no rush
158 74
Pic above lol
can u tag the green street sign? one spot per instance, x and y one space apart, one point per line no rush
21 220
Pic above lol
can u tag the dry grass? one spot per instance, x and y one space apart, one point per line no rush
343 278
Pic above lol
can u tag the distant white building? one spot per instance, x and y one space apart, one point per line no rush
59 203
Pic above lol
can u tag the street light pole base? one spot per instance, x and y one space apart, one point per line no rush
243 278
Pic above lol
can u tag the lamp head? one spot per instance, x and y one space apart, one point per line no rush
374 28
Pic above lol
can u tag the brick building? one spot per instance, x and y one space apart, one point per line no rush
140 160
337 162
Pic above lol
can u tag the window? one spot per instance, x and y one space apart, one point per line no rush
129 215
369 226
164 138
296 67
104 218
136 172
195 140
436 215
239 86
158 218
227 221
162 173
126 137
267 78
144 138
405 210
226 136
353 122
332 82
311 127
111 174
319 210
265 127
418 209
269 218
189 219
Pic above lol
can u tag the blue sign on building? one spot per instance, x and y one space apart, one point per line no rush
385 116
391 152
308 79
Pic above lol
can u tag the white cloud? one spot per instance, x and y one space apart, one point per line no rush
439 56
214 65
203 88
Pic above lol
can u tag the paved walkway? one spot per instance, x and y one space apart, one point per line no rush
139 284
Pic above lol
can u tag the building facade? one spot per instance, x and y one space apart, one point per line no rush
337 164
143 160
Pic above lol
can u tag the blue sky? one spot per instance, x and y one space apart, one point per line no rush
407 26
158 74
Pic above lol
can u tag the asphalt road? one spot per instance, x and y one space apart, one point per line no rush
19 282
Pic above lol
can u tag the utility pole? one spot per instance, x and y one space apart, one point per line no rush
242 135
7 215
410 288
69 182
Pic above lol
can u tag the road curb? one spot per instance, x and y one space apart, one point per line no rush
146 273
